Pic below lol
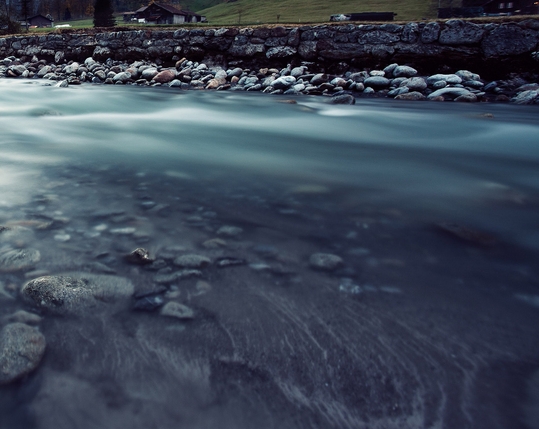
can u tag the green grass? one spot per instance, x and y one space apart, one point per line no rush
305 11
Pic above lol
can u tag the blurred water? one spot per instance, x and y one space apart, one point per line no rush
421 326
446 160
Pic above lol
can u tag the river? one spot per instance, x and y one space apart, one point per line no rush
430 321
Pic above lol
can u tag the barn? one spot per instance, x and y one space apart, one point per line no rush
157 13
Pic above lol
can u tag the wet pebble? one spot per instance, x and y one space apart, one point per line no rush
139 256
21 350
229 262
214 243
76 293
325 261
229 231
177 310
167 278
192 261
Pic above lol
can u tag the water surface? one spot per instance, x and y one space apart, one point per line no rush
432 321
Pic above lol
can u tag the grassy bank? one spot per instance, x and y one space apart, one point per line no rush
305 11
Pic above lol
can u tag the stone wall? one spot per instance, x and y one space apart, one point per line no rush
490 49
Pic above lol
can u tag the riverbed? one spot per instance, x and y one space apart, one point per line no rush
430 320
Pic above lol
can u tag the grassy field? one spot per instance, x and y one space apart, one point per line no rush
304 11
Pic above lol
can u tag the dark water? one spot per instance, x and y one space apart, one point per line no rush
424 326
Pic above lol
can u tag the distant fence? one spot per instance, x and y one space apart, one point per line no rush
363 16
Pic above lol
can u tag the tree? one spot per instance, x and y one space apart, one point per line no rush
26 10
7 24
103 14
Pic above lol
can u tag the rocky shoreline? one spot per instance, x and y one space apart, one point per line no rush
400 82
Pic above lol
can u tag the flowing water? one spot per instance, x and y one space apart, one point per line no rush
432 321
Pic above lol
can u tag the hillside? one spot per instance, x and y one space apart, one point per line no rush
301 11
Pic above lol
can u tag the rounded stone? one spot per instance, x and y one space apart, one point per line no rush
149 73
377 82
229 231
165 76
76 293
343 99
177 310
411 96
21 350
404 71
415 84
325 261
192 261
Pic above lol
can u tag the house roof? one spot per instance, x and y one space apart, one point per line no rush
169 8
40 16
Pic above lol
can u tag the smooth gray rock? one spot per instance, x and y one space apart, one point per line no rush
77 293
467 98
415 84
319 79
192 261
452 79
122 77
177 310
21 350
450 91
526 97
229 231
284 82
411 96
467 75
149 73
398 91
325 261
377 82
404 71
343 99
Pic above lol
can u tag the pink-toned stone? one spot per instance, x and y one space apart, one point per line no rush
165 76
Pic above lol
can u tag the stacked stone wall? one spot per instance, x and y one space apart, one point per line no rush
493 49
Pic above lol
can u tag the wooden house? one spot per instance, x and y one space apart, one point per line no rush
505 7
156 13
38 21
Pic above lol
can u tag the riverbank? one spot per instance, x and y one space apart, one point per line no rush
396 81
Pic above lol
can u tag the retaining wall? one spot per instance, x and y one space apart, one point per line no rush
492 49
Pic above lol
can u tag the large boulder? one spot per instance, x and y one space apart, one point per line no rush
21 350
77 293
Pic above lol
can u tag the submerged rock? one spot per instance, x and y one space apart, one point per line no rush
149 302
192 261
76 293
325 261
139 256
229 231
467 234
177 310
18 259
22 316
21 350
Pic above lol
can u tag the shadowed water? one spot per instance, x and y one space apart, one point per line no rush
431 322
